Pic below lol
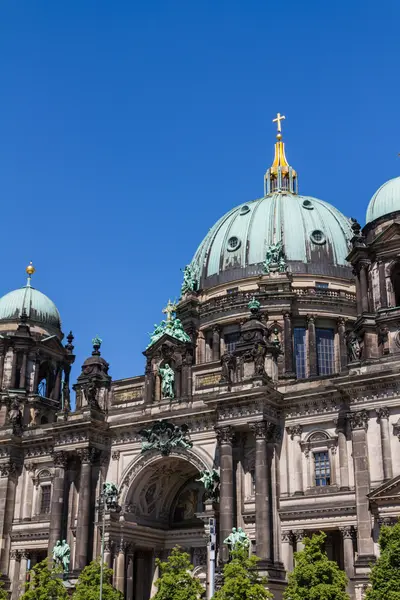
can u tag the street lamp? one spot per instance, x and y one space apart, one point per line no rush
108 501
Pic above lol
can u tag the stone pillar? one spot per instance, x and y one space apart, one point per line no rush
13 369
28 491
57 386
108 553
23 569
36 375
155 573
120 567
343 457
2 357
288 343
358 291
274 460
359 424
140 579
383 420
341 325
263 516
287 550
87 456
57 500
22 380
348 550
216 344
298 537
201 348
8 484
130 581
225 437
15 563
364 287
312 346
295 432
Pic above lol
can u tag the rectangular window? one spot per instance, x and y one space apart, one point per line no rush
322 469
231 339
232 291
325 351
321 286
45 499
299 336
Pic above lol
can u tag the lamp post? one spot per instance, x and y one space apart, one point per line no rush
108 501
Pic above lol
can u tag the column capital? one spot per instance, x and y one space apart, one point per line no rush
225 435
286 536
60 458
287 315
341 321
216 328
263 430
116 454
8 469
382 413
87 455
121 546
310 319
387 521
298 535
15 555
25 554
358 420
30 467
295 431
347 532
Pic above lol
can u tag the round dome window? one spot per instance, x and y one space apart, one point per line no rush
244 210
308 205
317 237
233 243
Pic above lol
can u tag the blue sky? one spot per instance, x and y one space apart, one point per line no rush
127 128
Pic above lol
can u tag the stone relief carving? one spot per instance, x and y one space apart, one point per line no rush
164 437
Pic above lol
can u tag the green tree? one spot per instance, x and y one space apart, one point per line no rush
44 583
241 579
315 577
176 581
385 574
3 594
88 586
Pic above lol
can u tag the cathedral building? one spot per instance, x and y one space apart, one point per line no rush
270 401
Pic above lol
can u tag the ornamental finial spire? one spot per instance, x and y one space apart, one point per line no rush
280 177
30 269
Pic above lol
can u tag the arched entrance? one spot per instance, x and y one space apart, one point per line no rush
161 500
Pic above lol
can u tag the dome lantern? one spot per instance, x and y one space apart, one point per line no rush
280 177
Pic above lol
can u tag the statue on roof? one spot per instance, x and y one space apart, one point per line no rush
190 280
171 326
275 258
167 381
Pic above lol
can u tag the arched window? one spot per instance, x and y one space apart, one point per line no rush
395 278
44 420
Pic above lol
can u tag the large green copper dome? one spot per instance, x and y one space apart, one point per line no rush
385 201
37 307
315 238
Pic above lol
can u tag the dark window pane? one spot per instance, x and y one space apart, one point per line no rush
45 499
325 351
322 469
299 336
231 339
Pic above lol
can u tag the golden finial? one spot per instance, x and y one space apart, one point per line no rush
30 269
278 120
169 310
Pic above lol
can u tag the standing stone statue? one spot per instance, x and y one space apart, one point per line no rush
167 381
62 555
237 539
353 347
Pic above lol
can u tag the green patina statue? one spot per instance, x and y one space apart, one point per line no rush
97 341
210 480
254 306
110 494
237 539
167 381
62 555
275 258
190 280
171 326
165 437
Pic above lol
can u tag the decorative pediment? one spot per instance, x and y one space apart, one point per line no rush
388 492
164 343
389 235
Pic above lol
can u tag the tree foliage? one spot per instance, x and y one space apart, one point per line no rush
44 583
88 586
315 577
3 594
241 579
176 581
385 574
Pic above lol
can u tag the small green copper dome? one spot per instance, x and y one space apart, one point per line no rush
385 201
38 307
314 234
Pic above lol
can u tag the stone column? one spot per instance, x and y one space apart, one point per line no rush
274 460
364 287
225 437
2 357
287 550
140 580
15 563
201 348
8 485
216 345
130 589
312 346
263 516
295 432
359 424
36 375
13 369
288 343
57 499
383 420
87 456
28 491
120 567
23 569
22 379
57 386
341 325
298 537
358 291
343 455
108 553
348 550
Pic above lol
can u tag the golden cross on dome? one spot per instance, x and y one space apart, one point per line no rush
278 120
169 310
